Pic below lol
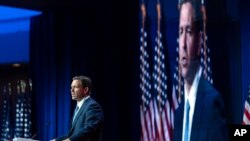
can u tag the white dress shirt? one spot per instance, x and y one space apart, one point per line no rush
191 97
80 103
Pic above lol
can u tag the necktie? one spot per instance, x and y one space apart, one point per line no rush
186 131
75 112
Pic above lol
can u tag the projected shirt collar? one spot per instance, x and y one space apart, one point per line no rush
191 97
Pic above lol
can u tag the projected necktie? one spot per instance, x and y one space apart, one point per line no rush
186 131
75 112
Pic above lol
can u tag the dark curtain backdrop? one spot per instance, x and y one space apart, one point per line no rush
51 75
100 42
245 48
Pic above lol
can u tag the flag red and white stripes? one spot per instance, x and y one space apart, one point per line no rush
155 109
246 115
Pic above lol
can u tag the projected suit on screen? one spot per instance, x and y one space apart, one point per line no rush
88 118
200 116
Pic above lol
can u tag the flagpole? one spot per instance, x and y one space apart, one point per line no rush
143 11
144 75
158 9
204 14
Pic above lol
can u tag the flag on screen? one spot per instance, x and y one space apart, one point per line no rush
155 111
146 107
6 132
246 115
177 89
23 112
205 50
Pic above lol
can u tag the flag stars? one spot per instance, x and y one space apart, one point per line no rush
141 39
142 30
160 45
162 56
163 66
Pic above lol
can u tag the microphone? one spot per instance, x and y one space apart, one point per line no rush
47 124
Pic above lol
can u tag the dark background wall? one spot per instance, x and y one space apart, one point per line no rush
97 39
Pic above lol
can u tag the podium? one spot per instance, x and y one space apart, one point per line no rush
23 139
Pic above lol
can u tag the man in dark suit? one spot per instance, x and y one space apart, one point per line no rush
88 118
200 116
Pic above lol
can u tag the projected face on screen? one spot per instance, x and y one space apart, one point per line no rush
188 42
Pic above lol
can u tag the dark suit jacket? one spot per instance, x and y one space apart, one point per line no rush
88 123
209 122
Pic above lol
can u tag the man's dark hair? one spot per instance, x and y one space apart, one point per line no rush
86 82
198 19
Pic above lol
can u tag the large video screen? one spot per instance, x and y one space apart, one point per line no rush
194 69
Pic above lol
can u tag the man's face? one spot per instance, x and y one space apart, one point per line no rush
77 91
188 43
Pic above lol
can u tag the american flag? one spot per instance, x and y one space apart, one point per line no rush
177 88
178 83
155 111
205 50
246 115
23 112
146 108
6 132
